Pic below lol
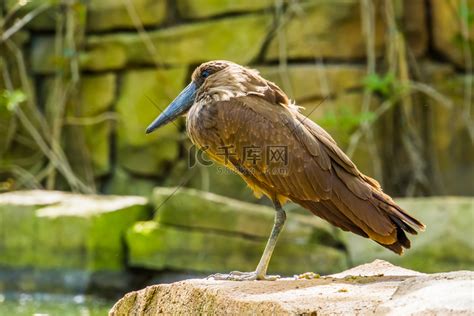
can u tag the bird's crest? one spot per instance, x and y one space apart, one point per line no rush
222 80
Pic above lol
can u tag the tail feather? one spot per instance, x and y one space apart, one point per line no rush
380 207
387 202
402 224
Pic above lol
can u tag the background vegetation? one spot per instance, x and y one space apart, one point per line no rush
391 80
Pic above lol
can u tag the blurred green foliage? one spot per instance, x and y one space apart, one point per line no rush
382 84
10 99
466 14
344 118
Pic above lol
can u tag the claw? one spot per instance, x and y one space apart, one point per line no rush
242 276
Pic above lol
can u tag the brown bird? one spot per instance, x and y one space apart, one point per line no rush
248 124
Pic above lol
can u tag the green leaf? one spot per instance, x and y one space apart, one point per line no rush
12 98
382 85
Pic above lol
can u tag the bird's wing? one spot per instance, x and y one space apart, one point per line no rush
316 170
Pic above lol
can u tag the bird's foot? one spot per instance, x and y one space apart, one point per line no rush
243 276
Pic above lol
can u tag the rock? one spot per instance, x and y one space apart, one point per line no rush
376 268
178 45
308 82
161 247
206 8
50 229
210 178
207 211
120 184
362 293
137 107
445 244
90 142
437 294
88 123
203 232
97 142
97 93
101 15
324 30
110 14
447 18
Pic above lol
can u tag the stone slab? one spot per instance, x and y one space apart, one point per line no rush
393 291
161 247
50 229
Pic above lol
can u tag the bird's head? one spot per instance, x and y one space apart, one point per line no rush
206 74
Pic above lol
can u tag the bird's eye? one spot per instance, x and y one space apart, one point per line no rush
205 74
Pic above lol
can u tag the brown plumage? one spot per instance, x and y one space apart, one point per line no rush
235 108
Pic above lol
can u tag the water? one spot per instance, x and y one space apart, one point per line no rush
40 304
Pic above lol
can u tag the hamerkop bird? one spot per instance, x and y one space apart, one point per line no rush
248 124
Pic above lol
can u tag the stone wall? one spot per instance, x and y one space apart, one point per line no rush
135 56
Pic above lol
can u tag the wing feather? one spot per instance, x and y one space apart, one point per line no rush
319 176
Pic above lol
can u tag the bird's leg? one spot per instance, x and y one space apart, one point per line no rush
280 218
261 272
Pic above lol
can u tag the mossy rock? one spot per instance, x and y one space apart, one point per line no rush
212 178
97 141
206 8
121 180
304 82
88 150
96 15
49 229
194 209
110 14
96 94
88 123
446 245
156 246
324 29
137 152
178 45
189 214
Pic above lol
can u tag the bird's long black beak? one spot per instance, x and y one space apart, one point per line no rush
179 106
